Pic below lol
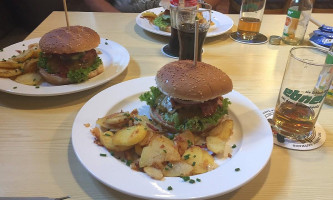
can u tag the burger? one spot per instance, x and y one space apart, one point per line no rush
188 97
68 55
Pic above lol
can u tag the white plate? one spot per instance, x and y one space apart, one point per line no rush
252 135
223 23
115 60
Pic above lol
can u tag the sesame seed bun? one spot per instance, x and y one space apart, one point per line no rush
69 40
182 80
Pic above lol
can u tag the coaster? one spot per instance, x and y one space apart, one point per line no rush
313 142
260 39
167 52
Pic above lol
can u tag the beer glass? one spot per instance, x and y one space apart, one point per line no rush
185 21
304 86
249 22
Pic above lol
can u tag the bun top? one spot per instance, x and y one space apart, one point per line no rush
183 80
69 40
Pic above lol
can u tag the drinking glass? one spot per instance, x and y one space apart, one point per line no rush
304 86
172 48
186 25
249 23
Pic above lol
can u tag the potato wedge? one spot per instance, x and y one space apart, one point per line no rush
6 73
26 54
153 172
178 168
10 64
215 144
130 135
106 140
200 159
183 141
159 150
29 79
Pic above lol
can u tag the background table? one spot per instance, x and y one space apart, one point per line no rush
36 154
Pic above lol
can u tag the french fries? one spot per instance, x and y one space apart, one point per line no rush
153 152
24 64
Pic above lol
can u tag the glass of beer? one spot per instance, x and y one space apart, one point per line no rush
186 25
304 87
249 23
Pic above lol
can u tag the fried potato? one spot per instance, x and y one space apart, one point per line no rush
218 137
129 136
200 159
114 121
10 64
106 140
179 168
29 79
153 172
215 144
223 130
159 150
148 14
26 54
6 73
184 141
30 65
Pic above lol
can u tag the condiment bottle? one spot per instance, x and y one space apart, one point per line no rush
297 20
329 60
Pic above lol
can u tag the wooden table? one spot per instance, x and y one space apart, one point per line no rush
36 154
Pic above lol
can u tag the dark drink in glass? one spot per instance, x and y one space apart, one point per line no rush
172 49
186 41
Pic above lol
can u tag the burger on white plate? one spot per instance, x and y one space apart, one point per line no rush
68 55
188 97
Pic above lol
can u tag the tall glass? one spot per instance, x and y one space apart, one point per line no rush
172 48
186 20
304 86
249 23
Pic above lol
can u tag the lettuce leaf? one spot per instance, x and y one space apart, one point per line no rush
151 96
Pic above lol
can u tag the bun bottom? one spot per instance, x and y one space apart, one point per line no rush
154 114
57 80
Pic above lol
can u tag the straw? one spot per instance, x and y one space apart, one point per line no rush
196 36
65 8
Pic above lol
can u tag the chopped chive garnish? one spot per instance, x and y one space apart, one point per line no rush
191 181
237 169
198 180
102 154
233 146
189 143
193 164
185 178
187 156
15 87
128 162
164 151
169 188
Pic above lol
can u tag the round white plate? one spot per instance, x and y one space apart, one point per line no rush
115 60
252 136
223 23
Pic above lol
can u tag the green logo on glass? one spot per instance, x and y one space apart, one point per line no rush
301 98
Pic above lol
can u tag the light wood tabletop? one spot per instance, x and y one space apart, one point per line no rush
36 154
